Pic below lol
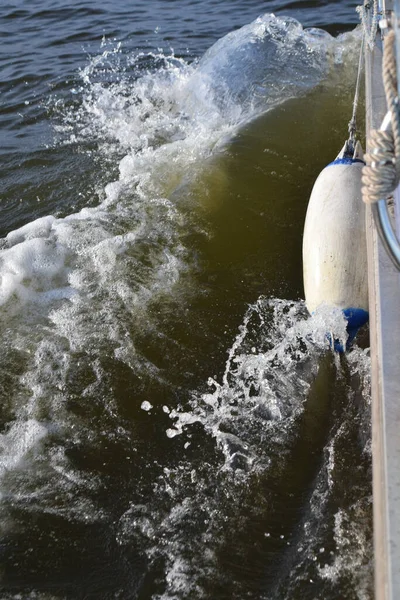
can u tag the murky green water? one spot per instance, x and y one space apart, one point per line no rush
173 424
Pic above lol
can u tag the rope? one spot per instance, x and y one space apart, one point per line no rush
369 26
353 120
369 22
381 174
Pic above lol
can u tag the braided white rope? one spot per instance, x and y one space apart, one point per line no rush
369 25
353 121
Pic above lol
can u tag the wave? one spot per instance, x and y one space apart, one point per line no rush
81 294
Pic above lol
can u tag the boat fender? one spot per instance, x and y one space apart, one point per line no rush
334 242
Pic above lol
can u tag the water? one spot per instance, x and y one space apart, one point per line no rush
172 423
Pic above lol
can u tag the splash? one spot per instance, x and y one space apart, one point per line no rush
255 416
149 118
104 266
80 292
131 103
253 69
266 380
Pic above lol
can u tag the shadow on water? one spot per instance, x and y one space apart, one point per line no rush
284 537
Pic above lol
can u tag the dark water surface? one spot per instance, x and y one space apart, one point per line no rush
172 425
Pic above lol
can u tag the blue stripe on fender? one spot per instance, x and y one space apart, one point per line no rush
356 318
346 161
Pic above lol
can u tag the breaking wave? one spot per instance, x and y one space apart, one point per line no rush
79 293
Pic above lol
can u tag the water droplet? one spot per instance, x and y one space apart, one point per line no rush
171 433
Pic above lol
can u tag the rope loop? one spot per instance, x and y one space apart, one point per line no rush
381 175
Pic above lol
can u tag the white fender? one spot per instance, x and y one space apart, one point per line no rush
334 244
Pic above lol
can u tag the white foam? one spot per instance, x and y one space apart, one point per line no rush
31 267
175 116
38 229
262 388
355 563
18 442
